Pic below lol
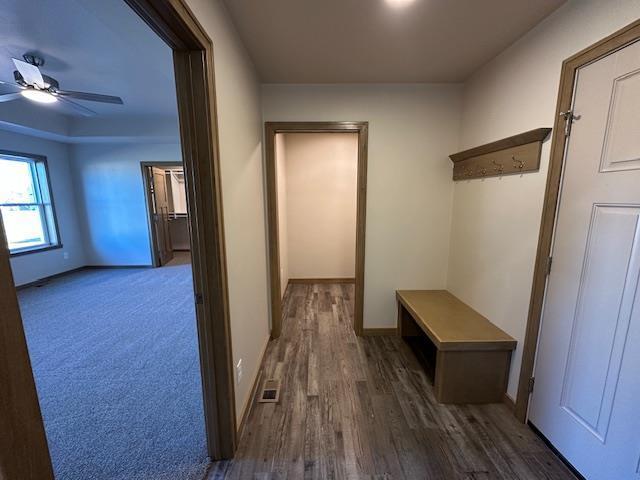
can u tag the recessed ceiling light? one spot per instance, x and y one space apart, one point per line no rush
38 96
399 3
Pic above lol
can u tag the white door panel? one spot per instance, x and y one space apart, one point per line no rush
587 395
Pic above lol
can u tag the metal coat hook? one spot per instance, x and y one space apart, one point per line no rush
518 154
517 163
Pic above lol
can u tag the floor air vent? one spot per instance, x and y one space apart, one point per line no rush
270 392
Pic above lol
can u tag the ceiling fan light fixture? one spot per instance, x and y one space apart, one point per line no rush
39 96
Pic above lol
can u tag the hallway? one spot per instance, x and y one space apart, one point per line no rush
363 408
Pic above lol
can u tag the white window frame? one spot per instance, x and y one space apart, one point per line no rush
44 201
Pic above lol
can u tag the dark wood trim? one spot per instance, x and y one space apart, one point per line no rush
113 267
193 53
509 402
509 161
537 135
24 453
380 332
271 128
309 281
43 280
617 40
146 184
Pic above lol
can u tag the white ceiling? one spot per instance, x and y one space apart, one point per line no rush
97 46
353 41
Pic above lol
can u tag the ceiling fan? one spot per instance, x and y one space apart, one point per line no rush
41 88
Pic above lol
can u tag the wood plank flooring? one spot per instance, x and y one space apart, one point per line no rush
363 408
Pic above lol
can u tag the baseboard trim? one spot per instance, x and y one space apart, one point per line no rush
100 267
248 403
380 332
509 402
43 280
307 281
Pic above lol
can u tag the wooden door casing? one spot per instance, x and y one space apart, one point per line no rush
24 453
160 200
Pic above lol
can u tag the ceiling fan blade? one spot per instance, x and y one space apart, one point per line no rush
30 73
7 97
12 84
92 97
77 107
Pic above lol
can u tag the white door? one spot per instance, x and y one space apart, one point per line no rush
586 399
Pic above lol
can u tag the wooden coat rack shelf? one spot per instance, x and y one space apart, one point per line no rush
517 154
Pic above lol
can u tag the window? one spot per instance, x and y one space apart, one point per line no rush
26 205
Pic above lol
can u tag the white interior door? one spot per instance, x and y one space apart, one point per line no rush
586 399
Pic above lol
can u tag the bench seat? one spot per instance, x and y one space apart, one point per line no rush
473 355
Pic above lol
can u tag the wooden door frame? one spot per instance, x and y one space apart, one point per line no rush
24 451
192 48
146 182
615 41
273 128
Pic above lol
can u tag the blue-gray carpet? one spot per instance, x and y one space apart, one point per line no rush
115 359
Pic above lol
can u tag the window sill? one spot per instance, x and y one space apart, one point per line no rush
27 251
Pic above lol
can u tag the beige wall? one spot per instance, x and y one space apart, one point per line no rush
321 185
281 184
240 129
412 130
496 221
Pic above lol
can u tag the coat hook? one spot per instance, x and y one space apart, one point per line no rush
520 162
498 167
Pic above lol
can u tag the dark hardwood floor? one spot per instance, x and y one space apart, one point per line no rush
363 408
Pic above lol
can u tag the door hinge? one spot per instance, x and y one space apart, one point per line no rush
549 262
199 299
532 382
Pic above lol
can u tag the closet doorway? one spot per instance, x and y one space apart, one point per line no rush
168 218
278 277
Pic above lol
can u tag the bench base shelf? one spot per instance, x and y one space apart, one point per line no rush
471 377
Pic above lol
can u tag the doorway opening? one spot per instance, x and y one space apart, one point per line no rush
23 429
316 193
166 199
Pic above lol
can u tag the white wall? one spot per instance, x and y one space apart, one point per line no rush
240 129
281 192
412 130
178 194
495 223
34 266
322 178
111 203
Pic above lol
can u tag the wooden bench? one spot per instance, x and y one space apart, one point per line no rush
472 355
